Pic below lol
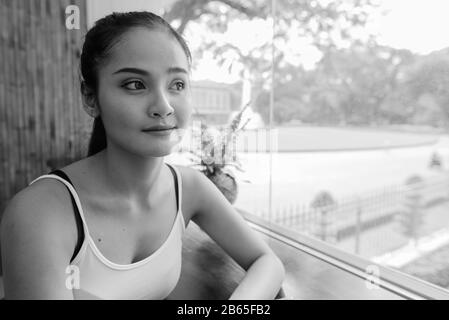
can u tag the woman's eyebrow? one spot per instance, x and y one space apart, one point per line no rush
146 73
132 70
176 70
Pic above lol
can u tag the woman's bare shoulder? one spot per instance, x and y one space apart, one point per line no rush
196 189
190 197
194 179
44 206
190 178
38 236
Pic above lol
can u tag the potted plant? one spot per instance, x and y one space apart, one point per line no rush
217 156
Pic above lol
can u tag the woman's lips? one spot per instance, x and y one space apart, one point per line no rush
160 132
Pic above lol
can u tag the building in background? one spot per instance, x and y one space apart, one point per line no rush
214 102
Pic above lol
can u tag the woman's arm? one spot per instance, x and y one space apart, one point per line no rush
36 241
267 266
218 218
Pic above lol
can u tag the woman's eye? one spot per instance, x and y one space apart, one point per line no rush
179 85
134 85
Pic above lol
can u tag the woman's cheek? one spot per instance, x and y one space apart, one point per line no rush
123 110
184 113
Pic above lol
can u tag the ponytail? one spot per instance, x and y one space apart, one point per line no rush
97 141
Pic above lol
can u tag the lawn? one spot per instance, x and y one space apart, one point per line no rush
433 267
308 139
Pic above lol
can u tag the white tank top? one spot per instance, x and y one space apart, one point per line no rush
151 278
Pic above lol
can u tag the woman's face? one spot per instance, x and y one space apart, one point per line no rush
145 83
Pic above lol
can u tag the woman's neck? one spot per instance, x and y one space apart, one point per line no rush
129 175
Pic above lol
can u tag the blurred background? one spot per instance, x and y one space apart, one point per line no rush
346 137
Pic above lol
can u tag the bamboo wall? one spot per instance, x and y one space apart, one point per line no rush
41 115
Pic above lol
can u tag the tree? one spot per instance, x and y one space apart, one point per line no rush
356 81
429 76
184 12
363 77
354 85
323 24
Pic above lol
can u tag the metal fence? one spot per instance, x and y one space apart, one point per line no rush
373 223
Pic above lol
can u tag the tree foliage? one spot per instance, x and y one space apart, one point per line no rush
365 84
356 81
429 77
322 23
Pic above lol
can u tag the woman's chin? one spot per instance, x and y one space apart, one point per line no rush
160 153
161 150
164 145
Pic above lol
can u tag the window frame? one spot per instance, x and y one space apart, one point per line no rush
400 283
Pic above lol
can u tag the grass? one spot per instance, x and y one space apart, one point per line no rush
308 139
433 267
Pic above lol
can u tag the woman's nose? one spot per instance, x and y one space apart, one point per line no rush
160 108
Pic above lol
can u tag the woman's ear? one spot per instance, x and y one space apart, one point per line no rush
90 104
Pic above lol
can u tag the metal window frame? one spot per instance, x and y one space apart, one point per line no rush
395 281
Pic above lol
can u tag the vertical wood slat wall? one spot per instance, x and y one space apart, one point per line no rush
41 116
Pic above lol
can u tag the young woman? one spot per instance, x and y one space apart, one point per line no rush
110 226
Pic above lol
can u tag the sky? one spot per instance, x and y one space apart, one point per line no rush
421 26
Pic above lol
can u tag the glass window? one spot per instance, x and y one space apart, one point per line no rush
361 113
345 135
225 60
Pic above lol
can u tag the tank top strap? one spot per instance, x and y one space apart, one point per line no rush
73 193
178 189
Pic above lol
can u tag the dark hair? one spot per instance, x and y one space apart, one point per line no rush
96 49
